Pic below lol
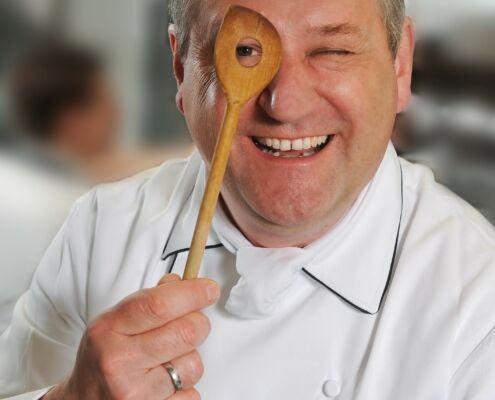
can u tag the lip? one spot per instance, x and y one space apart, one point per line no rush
301 161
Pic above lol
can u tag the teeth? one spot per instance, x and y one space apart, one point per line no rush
285 145
297 144
280 147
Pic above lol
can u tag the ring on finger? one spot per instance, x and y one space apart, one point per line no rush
174 376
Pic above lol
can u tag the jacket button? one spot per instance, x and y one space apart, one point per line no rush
331 388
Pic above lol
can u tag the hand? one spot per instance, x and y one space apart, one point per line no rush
122 353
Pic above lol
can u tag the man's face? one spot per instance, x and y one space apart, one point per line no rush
333 104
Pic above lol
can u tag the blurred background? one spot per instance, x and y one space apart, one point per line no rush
121 95
450 124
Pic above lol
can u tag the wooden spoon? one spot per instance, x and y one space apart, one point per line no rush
248 53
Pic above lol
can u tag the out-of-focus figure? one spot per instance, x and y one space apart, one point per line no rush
63 100
67 118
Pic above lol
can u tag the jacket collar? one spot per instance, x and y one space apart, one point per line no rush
354 260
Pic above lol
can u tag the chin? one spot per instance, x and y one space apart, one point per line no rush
288 206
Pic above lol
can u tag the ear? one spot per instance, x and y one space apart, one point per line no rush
177 65
404 65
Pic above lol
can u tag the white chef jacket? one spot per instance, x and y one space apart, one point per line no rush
395 302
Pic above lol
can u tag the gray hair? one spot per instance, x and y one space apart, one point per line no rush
394 14
183 12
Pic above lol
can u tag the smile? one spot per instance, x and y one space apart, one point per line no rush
302 147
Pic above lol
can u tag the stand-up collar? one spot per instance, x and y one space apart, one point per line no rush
355 260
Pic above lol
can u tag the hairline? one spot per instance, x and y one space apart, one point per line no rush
393 17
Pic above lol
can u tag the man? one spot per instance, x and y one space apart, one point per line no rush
344 271
62 100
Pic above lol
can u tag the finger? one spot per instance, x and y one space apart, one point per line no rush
178 337
189 368
169 278
152 308
188 394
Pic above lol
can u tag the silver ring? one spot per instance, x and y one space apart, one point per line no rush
174 376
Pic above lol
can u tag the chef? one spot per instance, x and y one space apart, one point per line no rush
333 269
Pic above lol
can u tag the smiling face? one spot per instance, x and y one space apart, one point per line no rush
310 142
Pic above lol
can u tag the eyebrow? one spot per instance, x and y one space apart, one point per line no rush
336 29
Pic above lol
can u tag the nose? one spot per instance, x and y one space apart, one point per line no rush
291 96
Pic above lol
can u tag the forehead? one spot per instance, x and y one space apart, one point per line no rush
293 17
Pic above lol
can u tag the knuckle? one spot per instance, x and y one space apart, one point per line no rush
157 307
193 329
108 365
96 330
187 332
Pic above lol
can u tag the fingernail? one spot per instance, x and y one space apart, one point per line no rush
212 291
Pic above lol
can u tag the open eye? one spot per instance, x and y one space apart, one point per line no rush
248 52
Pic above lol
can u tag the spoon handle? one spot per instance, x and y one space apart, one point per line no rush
212 191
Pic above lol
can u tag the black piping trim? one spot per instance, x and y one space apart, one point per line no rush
177 252
392 263
173 229
336 293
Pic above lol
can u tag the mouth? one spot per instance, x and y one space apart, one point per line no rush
295 148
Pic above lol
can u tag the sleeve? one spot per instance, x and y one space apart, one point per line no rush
475 377
39 347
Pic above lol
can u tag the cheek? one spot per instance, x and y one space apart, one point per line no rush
365 98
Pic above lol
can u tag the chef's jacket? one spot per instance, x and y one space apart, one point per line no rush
395 302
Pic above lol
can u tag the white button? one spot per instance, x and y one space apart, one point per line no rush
331 388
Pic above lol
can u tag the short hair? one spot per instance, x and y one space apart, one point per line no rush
183 13
47 80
